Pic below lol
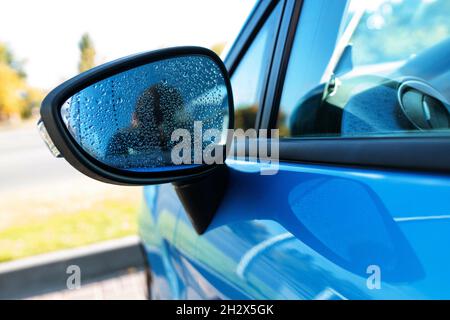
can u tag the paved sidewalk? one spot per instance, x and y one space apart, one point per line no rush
130 286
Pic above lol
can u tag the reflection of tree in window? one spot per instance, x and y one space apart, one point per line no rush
248 78
245 116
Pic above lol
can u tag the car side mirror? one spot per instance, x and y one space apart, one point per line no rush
142 119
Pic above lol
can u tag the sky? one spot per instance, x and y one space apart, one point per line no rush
45 33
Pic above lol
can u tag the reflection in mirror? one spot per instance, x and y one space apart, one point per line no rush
126 121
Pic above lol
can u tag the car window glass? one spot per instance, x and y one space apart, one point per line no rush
368 68
248 78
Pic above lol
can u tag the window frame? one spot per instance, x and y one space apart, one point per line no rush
426 152
244 40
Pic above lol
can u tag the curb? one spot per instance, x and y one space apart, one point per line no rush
47 273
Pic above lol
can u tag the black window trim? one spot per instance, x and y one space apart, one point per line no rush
250 30
280 62
410 152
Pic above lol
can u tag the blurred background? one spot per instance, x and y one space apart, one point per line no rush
45 205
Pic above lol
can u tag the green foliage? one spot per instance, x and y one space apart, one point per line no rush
36 235
87 53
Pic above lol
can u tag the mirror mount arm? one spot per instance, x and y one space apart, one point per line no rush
201 197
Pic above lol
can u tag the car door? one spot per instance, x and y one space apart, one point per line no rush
358 208
167 234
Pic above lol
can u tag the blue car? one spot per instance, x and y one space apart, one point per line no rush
337 184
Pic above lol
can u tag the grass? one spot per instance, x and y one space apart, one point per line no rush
102 217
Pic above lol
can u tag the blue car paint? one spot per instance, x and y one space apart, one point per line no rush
308 232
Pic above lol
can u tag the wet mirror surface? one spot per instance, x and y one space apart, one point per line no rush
128 120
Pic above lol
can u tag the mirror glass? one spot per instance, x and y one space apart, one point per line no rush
152 117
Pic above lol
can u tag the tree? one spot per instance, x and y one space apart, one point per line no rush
11 92
12 84
218 48
17 98
32 101
7 58
87 53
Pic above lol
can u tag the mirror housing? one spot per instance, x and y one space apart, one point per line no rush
204 73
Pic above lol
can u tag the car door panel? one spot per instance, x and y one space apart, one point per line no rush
311 231
318 232
157 224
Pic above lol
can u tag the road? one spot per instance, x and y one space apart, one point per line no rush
33 183
26 162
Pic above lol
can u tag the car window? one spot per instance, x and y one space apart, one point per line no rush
368 68
248 78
